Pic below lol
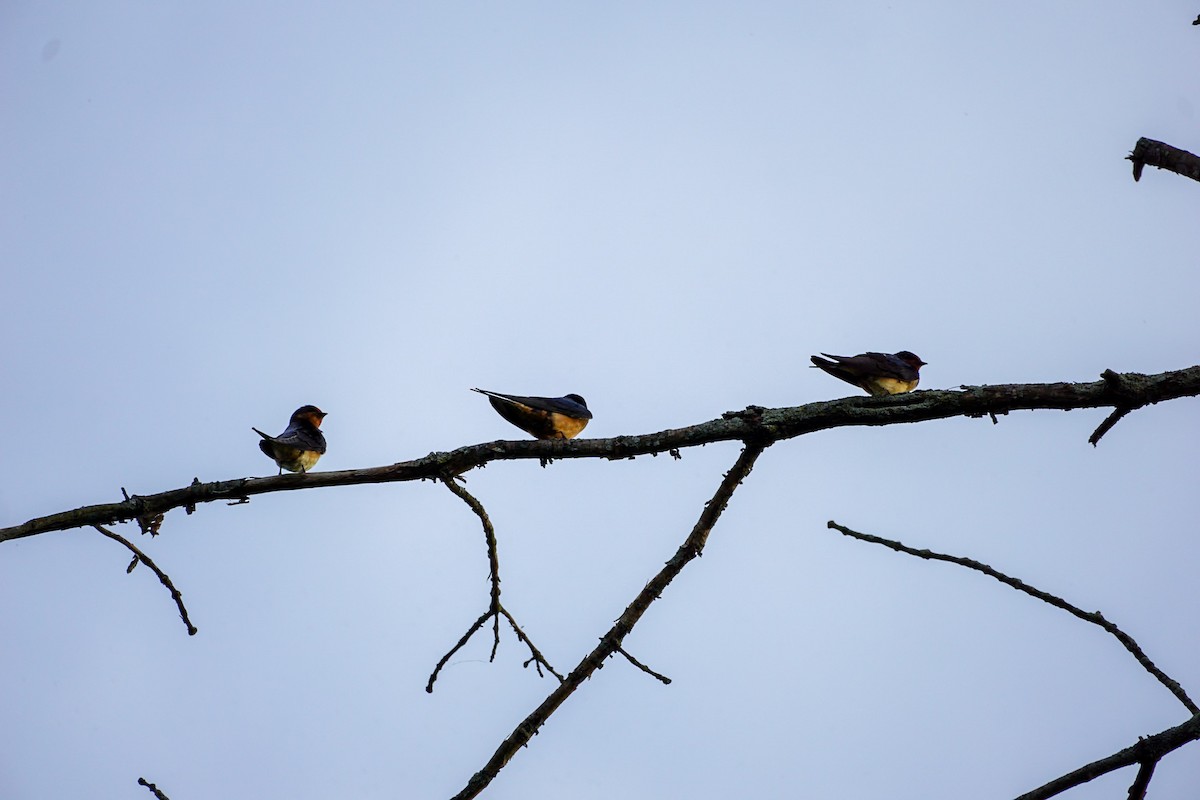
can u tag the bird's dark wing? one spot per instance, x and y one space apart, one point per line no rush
560 405
886 365
565 406
302 438
866 365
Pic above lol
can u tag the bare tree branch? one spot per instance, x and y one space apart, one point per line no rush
154 789
1106 426
611 642
643 667
1146 752
138 555
1164 156
1117 383
755 426
1096 618
1132 389
1137 789
536 658
489 535
495 608
1151 748
466 637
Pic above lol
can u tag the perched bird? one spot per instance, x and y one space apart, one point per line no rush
877 373
301 443
543 417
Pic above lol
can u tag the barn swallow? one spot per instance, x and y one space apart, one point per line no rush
878 373
301 443
543 417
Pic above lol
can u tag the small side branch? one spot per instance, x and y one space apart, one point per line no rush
1096 618
611 641
1106 426
138 555
489 535
1122 389
466 637
1151 749
153 789
1164 156
535 656
495 608
642 666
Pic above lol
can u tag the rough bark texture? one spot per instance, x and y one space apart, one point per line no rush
1116 390
1149 749
1164 156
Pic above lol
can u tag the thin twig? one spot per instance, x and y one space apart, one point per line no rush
162 576
154 789
1106 426
466 637
643 667
535 656
1096 618
495 608
1152 747
779 423
692 547
1122 389
489 535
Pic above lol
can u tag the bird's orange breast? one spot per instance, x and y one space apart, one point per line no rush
567 427
893 386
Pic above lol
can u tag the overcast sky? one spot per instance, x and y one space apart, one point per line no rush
214 213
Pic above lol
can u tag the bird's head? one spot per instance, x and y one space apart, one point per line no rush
310 414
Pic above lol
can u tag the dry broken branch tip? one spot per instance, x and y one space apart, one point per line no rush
163 578
495 608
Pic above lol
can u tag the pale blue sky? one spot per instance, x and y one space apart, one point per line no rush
212 214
